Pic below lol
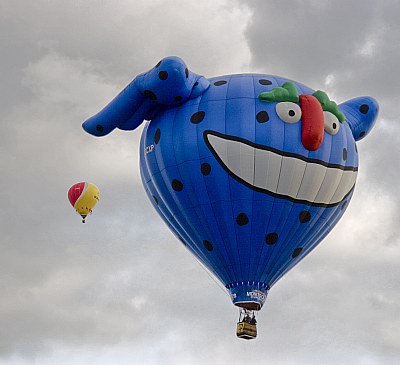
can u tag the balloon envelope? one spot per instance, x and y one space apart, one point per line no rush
83 196
249 186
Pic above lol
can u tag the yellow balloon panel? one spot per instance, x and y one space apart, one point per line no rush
88 199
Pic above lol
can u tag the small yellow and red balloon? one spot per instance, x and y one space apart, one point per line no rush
83 196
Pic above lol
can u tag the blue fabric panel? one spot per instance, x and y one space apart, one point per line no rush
204 168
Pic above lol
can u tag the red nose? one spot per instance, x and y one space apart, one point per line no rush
312 128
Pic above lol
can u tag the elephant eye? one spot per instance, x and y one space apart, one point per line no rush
289 112
331 123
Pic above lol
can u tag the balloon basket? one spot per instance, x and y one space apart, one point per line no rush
247 326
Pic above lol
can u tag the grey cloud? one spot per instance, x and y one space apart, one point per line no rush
356 43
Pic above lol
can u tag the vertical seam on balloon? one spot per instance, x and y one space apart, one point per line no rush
275 250
290 235
266 248
242 199
230 272
283 247
252 274
233 245
288 238
158 190
182 211
230 193
175 222
218 257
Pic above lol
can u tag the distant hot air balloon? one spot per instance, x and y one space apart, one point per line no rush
249 171
83 197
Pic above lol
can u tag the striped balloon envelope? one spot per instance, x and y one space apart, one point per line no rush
83 196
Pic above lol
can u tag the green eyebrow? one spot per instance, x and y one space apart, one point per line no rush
329 105
287 92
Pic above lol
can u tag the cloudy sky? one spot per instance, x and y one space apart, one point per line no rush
121 289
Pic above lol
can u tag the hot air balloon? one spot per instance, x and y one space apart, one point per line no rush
83 196
250 172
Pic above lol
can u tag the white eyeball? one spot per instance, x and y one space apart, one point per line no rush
289 112
331 123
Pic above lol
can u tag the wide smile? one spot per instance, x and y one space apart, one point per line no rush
281 174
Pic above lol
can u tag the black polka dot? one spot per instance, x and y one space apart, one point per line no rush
208 245
262 116
158 64
265 82
304 216
345 154
364 109
196 83
334 126
344 205
271 238
163 75
297 252
99 128
205 168
186 72
362 134
197 117
157 136
292 113
149 94
178 98
177 185
219 83
242 219
155 199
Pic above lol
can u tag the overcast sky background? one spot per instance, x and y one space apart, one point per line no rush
121 289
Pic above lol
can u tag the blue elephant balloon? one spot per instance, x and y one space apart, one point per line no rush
249 171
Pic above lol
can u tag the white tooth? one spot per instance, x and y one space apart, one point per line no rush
291 176
312 180
247 162
346 183
267 167
329 185
261 163
283 175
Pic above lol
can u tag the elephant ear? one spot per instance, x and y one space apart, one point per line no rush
361 114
